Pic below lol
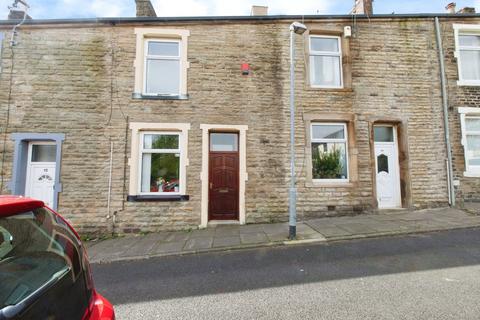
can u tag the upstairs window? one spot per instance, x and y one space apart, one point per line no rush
162 67
467 42
325 62
161 63
470 57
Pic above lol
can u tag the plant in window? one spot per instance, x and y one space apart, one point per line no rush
327 164
165 171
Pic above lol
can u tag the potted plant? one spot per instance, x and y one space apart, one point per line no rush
326 164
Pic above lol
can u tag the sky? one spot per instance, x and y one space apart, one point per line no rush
57 9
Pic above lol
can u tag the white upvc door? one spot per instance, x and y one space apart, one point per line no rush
40 175
387 171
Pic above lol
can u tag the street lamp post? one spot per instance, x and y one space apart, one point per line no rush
295 28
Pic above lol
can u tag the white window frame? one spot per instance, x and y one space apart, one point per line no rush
344 140
468 112
143 35
135 161
159 151
467 30
327 54
160 57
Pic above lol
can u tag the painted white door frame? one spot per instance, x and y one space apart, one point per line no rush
242 130
395 173
29 180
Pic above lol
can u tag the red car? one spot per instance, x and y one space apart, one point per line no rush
44 268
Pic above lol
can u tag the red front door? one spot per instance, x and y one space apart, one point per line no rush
223 176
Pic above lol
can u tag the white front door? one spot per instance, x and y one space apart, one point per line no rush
41 167
386 167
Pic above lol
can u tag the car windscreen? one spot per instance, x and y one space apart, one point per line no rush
36 250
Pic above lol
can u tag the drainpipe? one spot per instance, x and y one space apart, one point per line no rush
292 204
110 185
443 82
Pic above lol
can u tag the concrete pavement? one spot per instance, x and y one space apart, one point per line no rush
229 237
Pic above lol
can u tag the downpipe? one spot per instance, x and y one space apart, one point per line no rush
443 82
292 225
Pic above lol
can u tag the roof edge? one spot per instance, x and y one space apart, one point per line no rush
127 20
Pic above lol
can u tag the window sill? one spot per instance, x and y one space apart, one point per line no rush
325 184
462 83
310 88
471 174
140 96
176 197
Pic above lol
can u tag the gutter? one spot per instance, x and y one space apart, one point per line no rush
133 20
443 83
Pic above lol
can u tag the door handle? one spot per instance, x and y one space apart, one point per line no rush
211 185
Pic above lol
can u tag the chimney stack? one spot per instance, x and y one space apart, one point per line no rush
145 8
470 10
259 11
363 7
451 7
17 13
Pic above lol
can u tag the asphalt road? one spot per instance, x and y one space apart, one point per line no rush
431 276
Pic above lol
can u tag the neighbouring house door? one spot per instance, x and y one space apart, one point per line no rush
40 176
223 176
386 167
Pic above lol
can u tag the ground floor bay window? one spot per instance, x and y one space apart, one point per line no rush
329 152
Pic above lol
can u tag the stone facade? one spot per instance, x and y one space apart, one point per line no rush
78 78
468 188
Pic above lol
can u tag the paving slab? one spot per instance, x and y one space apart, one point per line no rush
177 236
330 232
144 245
387 217
114 247
168 247
251 228
198 243
202 233
387 226
303 228
249 238
275 228
223 231
281 236
227 241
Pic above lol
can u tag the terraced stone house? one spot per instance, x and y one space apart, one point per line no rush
146 123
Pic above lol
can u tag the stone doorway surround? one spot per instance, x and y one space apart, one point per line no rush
403 158
204 177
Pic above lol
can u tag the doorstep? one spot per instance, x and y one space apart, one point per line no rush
214 223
